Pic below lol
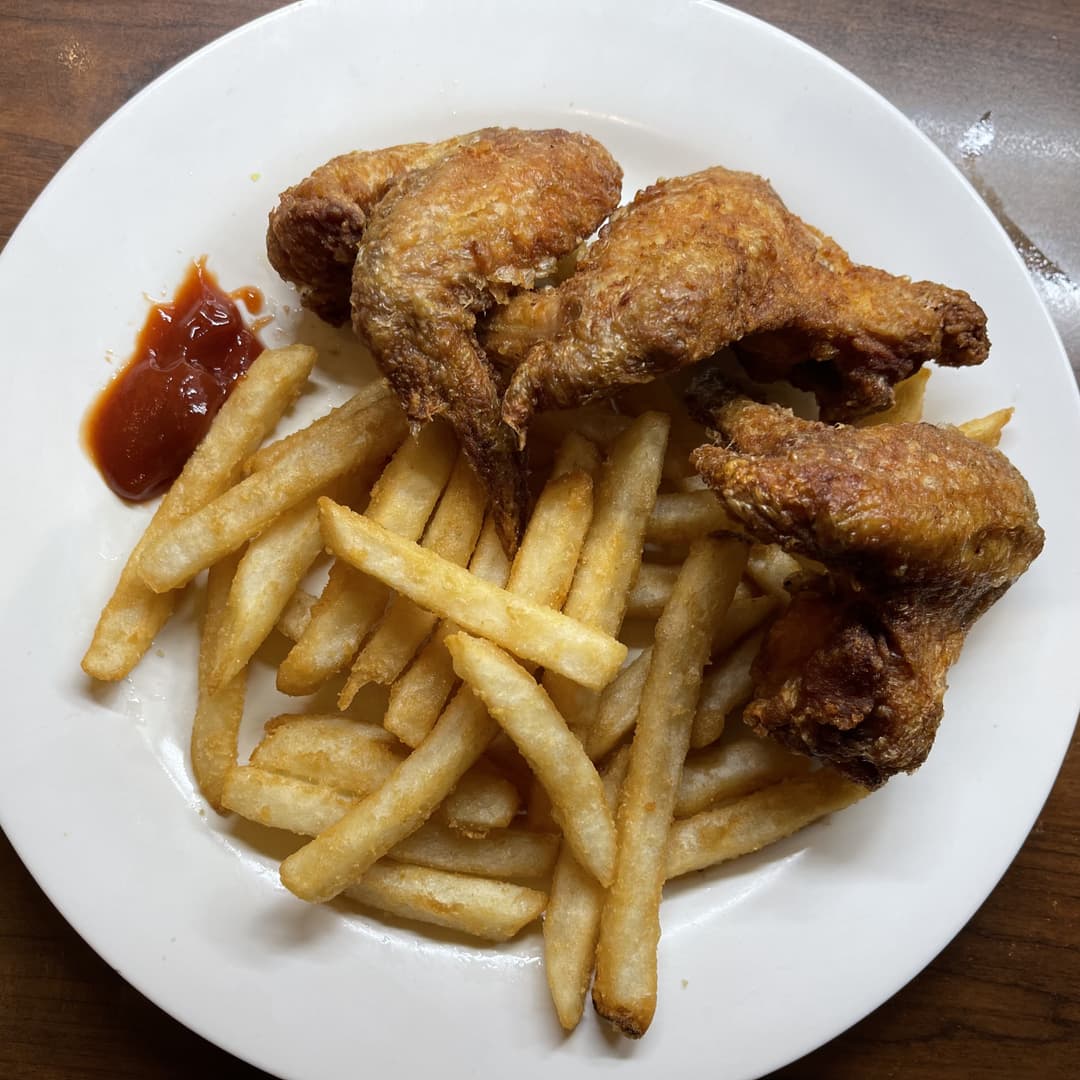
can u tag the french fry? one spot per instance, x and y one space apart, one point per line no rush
727 685
745 615
624 991
419 694
679 517
625 495
296 614
343 852
525 628
772 568
482 800
527 715
308 439
493 910
134 614
651 591
572 919
299 806
686 435
987 429
351 602
732 770
245 509
265 580
756 820
617 710
357 759
218 712
907 406
452 535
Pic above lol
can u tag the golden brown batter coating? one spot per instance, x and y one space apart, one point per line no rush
703 261
443 246
922 530
316 227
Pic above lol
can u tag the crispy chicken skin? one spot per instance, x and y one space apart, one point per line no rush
703 261
921 528
316 227
444 245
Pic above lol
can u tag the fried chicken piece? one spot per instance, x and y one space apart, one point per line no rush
444 245
316 227
704 261
921 528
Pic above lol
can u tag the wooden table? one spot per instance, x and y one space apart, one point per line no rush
1003 1000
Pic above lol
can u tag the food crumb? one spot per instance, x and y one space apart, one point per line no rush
685 983
255 177
159 652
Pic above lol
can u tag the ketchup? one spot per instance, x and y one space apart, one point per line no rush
188 355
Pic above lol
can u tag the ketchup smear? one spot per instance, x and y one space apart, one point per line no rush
188 355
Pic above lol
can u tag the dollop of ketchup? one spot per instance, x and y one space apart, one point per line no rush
191 350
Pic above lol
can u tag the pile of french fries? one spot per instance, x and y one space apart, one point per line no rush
528 764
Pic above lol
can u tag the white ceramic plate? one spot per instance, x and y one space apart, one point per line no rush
760 962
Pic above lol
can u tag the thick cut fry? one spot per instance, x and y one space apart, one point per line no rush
772 568
617 711
625 988
452 535
524 628
572 919
625 495
296 614
307 439
408 798
745 615
492 910
527 715
217 713
481 801
247 508
351 602
343 852
266 579
679 517
733 770
907 406
560 520
753 822
134 613
651 591
727 685
418 696
358 758
987 429
299 806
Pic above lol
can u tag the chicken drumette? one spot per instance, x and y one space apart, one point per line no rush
921 528
703 261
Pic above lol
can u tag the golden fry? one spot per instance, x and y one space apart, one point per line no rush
559 761
245 509
526 629
134 614
625 988
727 685
757 820
351 602
218 712
987 429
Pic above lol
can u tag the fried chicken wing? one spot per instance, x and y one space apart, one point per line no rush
704 261
921 528
445 244
316 227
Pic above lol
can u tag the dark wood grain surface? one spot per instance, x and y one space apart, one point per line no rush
1003 1000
